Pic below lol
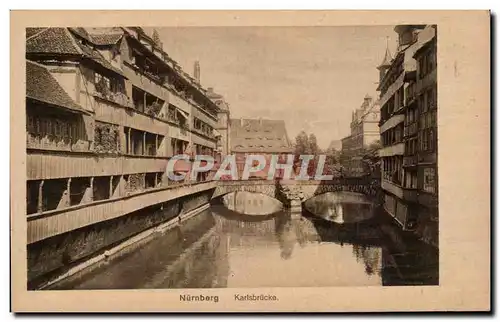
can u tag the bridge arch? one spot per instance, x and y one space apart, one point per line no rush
262 187
287 190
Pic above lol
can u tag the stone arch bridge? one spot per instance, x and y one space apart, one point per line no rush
292 193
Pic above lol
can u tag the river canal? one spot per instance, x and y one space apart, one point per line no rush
246 240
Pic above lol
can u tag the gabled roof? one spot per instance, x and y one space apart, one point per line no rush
97 57
255 135
106 39
43 87
52 41
99 39
81 32
62 41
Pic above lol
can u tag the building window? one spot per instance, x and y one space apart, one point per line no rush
425 141
32 193
197 123
172 113
411 179
173 145
431 98
425 102
427 63
421 66
106 85
50 132
430 61
429 180
431 139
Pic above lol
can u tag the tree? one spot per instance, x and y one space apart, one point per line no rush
313 145
332 155
371 158
301 143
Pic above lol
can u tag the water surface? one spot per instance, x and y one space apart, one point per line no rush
341 239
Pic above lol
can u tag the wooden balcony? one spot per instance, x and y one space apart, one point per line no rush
392 89
148 84
410 160
407 194
55 222
180 102
128 117
392 122
207 136
179 132
410 130
202 114
42 165
391 150
427 158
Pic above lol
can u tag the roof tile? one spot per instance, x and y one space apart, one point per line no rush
254 135
106 39
33 31
53 41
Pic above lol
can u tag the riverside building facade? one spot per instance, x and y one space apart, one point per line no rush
105 110
408 130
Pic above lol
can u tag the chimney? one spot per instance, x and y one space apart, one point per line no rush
241 121
197 71
210 90
260 121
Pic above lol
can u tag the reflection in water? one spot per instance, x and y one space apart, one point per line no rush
341 207
370 257
220 248
285 235
251 203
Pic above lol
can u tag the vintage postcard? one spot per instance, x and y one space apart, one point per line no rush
329 161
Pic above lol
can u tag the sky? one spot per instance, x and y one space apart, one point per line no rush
310 77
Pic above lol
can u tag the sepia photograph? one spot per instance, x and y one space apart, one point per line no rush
206 158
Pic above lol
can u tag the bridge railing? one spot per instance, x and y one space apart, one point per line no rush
334 181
